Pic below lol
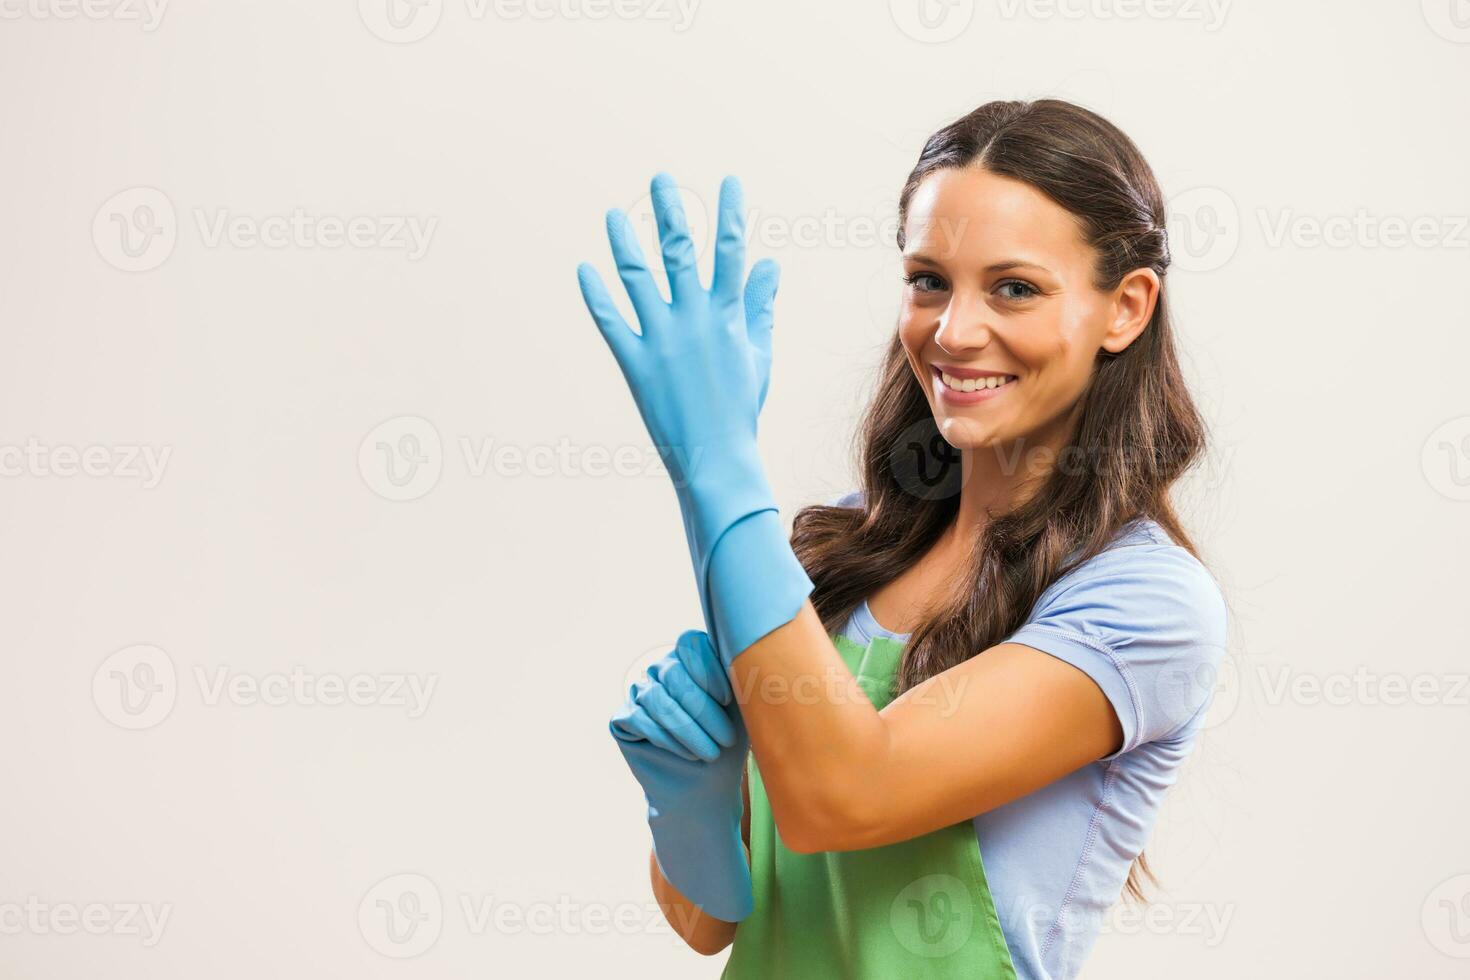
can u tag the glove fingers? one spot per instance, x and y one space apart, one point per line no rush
729 244
696 702
661 706
696 651
760 303
760 314
615 330
637 724
673 236
633 269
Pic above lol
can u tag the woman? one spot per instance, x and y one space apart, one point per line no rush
965 686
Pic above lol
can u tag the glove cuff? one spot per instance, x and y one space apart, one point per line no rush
705 860
756 583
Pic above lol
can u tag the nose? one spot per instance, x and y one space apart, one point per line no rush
964 327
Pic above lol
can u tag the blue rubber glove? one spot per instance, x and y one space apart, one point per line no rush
698 372
682 735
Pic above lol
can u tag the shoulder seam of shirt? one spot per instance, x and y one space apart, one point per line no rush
1105 563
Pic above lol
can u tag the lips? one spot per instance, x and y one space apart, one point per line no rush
968 386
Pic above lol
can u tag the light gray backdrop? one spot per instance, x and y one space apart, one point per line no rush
331 534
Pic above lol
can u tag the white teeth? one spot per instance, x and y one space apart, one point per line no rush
974 384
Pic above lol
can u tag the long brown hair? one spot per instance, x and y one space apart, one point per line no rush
1137 430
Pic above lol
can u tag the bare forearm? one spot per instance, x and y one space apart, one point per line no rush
705 934
842 776
839 774
816 736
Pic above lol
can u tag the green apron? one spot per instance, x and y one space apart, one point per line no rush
919 908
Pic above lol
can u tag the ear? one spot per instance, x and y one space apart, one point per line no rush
1134 300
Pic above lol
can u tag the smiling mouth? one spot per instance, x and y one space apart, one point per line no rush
983 382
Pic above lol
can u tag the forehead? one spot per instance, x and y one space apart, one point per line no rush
970 213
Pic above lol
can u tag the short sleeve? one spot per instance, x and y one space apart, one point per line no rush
1147 622
852 498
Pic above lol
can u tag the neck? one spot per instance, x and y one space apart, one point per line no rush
999 477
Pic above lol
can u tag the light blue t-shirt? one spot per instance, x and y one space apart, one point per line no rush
1147 622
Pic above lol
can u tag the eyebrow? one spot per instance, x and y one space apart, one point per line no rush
1003 266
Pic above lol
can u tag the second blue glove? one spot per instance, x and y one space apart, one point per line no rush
682 736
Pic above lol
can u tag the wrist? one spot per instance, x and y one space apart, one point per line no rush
755 583
703 858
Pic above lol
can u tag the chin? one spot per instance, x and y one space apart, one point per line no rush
963 432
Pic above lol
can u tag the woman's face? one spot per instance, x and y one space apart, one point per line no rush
1001 321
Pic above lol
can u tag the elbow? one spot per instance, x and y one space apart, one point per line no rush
801 840
832 803
830 821
709 945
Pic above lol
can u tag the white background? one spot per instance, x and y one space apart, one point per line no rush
1325 830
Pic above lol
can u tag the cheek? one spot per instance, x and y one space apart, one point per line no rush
1059 348
915 327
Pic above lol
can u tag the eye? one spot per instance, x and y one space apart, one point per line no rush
924 282
1016 290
